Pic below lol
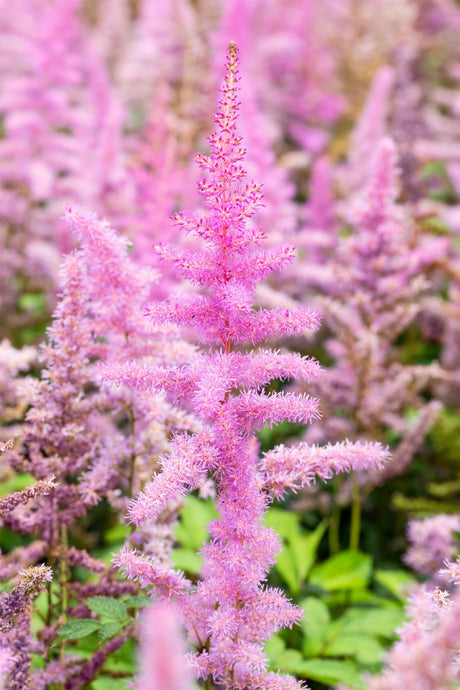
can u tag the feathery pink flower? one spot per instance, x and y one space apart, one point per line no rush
162 664
230 612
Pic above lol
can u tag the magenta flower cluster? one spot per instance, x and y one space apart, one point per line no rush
281 357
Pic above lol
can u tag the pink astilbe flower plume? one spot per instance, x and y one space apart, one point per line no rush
432 542
161 653
381 279
426 656
230 612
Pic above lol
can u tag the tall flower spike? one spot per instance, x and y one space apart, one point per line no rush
162 667
231 264
230 612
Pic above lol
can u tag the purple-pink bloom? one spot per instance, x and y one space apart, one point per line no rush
230 612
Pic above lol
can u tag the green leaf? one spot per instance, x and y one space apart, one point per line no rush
32 301
421 507
343 598
315 625
299 547
123 660
137 601
395 581
380 622
332 672
437 225
111 629
108 683
16 483
345 570
106 606
365 648
286 524
194 519
273 648
78 628
304 548
187 560
289 661
287 568
116 534
443 489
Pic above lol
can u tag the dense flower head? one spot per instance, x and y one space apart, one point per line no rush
426 656
432 542
230 612
231 262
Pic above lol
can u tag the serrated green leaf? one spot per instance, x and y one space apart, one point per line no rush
137 601
107 606
343 598
346 570
315 625
110 629
78 628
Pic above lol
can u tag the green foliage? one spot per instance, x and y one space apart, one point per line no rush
17 483
191 533
33 302
116 534
138 601
111 629
315 626
299 547
108 607
351 612
78 628
397 582
329 671
445 438
422 507
345 570
271 436
108 683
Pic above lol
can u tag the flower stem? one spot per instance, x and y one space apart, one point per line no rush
334 525
355 527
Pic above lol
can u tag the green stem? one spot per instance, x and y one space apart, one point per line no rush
49 612
355 527
334 527
207 684
64 579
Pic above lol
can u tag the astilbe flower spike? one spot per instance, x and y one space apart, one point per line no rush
381 278
432 542
426 656
230 613
161 651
